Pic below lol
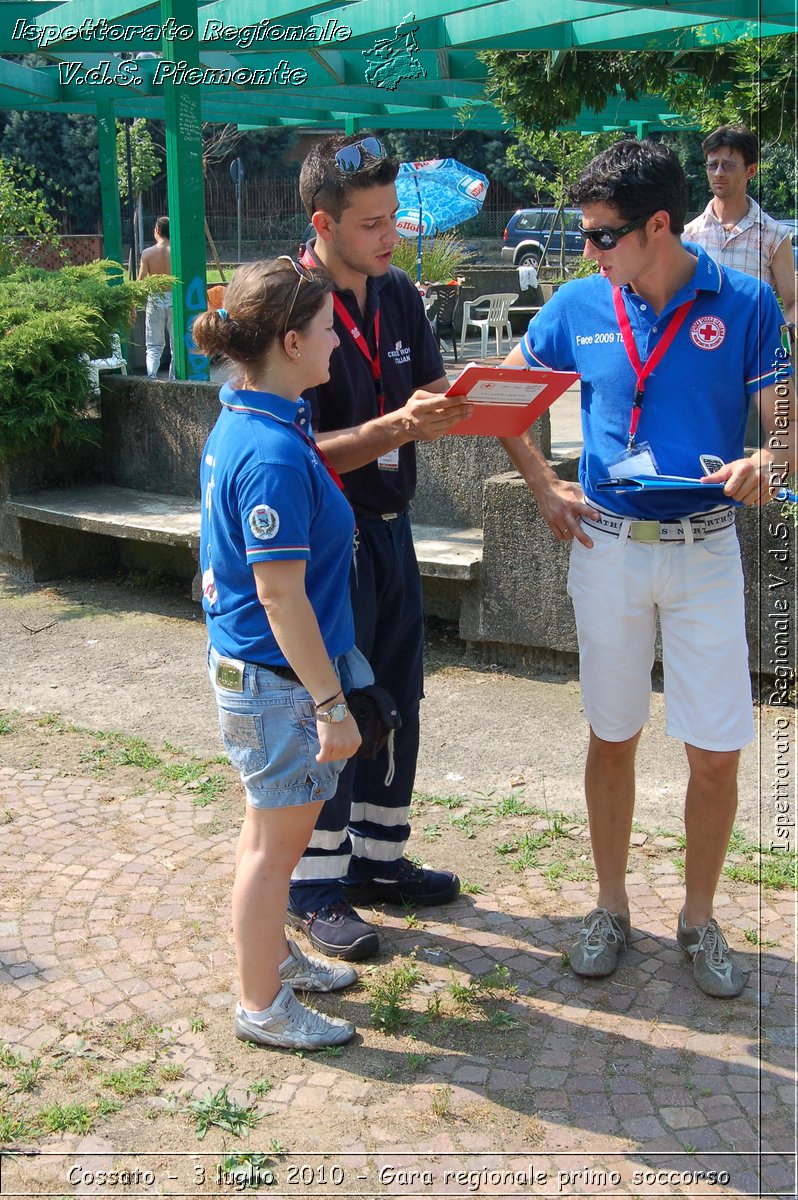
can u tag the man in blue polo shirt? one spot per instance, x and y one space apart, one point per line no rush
384 395
671 349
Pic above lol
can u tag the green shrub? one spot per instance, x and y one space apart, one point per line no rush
48 320
441 258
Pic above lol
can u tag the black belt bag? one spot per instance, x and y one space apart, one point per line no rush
377 718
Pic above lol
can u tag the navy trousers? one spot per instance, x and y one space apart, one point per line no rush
362 831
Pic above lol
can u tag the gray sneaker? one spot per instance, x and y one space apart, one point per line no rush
289 1023
714 969
308 973
602 937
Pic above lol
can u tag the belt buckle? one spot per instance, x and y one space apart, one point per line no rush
230 674
644 531
390 516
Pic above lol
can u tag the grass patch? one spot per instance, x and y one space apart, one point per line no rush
218 1109
776 870
9 1057
513 806
27 1075
6 724
567 868
526 849
138 1080
67 1118
15 1127
439 801
386 994
755 939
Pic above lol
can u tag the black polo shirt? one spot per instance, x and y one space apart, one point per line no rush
409 359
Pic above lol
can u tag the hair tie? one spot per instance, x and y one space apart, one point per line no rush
222 313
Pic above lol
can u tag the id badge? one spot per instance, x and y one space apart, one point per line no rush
637 461
389 461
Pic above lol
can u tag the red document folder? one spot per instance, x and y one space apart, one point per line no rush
507 400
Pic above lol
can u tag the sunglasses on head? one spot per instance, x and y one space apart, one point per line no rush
304 277
607 239
349 158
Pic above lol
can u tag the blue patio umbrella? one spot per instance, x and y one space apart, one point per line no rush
435 196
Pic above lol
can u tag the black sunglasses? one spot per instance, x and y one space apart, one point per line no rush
349 158
607 239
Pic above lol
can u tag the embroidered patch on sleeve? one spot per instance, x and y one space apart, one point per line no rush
264 522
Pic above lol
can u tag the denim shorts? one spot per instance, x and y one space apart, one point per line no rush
269 733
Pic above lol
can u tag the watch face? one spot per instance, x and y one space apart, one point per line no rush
334 715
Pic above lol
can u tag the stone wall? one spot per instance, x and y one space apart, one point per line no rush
152 438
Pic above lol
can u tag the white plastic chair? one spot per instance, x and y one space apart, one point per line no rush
114 362
496 318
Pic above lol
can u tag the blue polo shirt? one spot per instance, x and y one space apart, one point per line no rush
696 399
409 359
268 497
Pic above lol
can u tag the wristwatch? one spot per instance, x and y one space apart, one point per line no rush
334 715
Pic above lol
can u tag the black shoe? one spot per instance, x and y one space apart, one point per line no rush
412 885
337 930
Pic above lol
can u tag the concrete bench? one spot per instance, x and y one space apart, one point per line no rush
114 512
150 517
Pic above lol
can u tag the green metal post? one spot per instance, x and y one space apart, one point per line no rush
185 190
109 182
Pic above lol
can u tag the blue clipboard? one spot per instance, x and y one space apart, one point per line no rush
666 485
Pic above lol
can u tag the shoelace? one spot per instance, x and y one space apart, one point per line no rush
311 1019
713 943
409 872
337 911
601 928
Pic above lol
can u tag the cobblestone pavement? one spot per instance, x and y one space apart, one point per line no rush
116 908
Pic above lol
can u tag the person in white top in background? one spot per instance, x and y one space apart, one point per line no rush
733 229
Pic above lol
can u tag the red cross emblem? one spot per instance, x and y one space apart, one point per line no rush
707 333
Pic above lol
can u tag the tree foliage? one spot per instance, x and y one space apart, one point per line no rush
63 147
751 81
144 162
26 223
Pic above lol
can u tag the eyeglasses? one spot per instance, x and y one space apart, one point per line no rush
607 239
349 158
727 165
304 277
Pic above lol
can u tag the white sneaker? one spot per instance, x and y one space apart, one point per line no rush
309 973
290 1024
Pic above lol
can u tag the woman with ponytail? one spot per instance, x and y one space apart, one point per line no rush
275 553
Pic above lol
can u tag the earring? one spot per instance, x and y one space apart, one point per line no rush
297 354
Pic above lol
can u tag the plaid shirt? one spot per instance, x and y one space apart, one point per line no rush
749 247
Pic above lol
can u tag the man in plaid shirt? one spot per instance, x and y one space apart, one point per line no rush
733 229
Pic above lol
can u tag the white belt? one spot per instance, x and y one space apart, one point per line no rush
684 529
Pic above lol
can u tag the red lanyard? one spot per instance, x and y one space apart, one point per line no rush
356 334
642 372
331 471
362 345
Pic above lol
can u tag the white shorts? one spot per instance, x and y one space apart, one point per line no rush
618 588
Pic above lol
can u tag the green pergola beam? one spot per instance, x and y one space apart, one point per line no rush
16 78
186 191
109 182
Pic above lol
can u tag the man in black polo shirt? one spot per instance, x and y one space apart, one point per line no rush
384 395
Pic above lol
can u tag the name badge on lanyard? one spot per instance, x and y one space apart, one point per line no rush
638 458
